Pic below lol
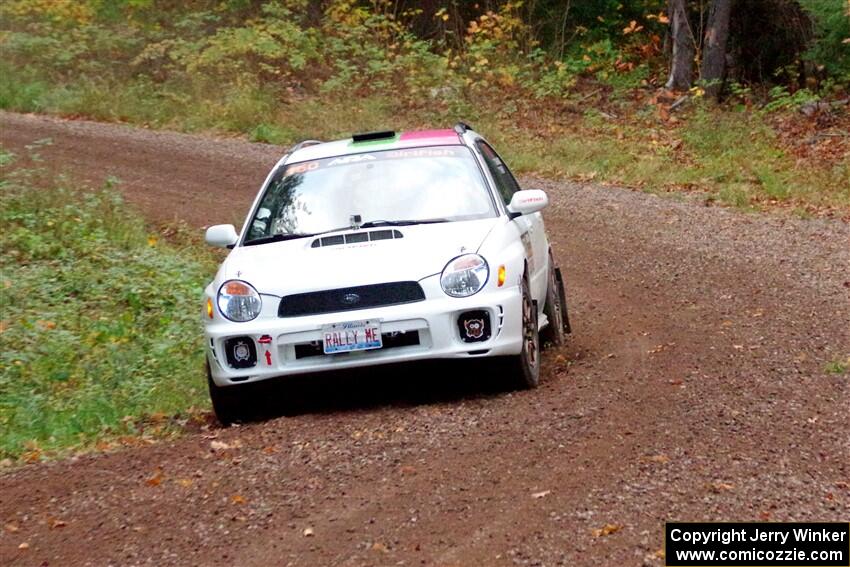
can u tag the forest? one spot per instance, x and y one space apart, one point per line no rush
642 93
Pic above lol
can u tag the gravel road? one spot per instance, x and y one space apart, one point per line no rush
694 388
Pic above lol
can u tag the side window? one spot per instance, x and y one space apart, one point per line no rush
505 182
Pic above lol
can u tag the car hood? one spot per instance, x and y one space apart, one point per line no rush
295 266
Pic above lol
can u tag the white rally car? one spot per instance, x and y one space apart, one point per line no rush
382 248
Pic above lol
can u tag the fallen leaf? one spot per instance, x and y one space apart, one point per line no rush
607 529
377 546
238 499
661 458
718 486
541 494
57 523
269 450
155 479
184 482
308 532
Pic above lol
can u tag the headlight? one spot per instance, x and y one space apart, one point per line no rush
239 301
465 275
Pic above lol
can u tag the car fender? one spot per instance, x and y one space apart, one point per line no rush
504 247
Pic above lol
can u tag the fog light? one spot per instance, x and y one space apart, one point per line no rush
474 326
241 352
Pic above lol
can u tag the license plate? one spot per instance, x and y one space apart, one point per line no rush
351 336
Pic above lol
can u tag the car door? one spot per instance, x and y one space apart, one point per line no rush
531 226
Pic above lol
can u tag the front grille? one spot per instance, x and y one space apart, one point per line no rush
350 299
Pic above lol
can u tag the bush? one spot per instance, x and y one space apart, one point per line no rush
99 322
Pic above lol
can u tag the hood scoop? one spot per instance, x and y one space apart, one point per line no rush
356 237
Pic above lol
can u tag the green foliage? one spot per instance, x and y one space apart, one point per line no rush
838 367
781 99
832 27
100 322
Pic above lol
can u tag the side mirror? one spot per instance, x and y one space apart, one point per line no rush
221 235
527 202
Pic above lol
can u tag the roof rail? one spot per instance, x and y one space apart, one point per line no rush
303 144
462 127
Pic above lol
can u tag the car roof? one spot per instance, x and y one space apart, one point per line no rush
382 141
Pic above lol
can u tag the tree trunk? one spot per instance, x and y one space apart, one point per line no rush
714 52
682 40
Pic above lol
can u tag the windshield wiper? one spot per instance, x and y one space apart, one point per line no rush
278 238
291 236
371 224
374 223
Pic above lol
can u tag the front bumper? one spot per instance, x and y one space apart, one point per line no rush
295 346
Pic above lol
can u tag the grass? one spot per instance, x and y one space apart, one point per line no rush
838 366
735 157
99 320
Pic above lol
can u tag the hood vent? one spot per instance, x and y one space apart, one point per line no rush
355 237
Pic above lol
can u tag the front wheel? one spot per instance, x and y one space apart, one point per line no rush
228 402
525 367
555 308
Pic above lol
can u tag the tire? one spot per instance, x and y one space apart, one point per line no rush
554 308
228 402
525 367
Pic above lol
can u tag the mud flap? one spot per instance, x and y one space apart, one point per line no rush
560 280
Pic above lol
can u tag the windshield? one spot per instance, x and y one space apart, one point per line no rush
431 184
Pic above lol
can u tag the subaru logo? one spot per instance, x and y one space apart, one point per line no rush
351 299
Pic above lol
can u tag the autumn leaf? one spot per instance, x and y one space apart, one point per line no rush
606 530
57 523
238 499
377 546
633 27
155 479
718 486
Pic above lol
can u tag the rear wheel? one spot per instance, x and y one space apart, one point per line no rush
228 402
525 366
555 308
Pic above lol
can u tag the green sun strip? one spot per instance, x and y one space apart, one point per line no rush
378 142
